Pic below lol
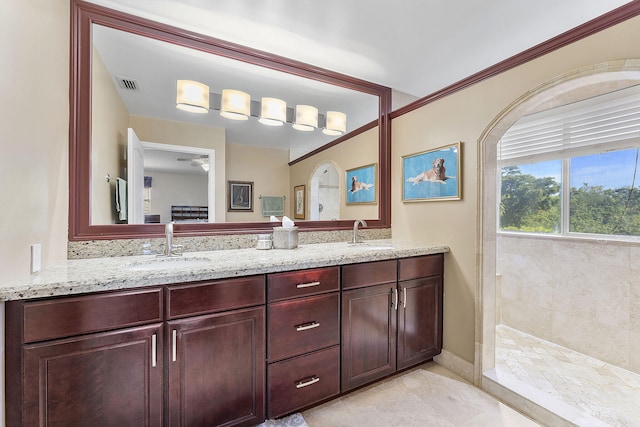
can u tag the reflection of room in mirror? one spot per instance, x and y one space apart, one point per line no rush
127 73
325 193
160 65
180 185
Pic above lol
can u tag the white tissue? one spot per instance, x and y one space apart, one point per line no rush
273 219
286 222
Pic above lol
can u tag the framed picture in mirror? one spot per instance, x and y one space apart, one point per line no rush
298 192
361 185
240 196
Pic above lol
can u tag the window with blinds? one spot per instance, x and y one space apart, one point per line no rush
599 124
573 169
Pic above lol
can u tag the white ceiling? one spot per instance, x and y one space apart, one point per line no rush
412 46
415 47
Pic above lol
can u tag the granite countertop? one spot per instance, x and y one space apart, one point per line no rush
102 274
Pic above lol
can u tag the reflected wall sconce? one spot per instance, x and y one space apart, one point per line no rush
192 96
336 123
273 112
195 97
235 104
306 118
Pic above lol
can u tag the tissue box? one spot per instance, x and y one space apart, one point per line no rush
285 238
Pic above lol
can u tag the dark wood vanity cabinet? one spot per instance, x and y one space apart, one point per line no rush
420 288
303 345
222 352
183 355
90 360
215 353
391 317
368 322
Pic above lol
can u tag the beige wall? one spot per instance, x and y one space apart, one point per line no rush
464 116
177 133
109 123
267 168
360 150
34 133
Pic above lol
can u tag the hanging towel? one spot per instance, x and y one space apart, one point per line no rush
121 199
272 205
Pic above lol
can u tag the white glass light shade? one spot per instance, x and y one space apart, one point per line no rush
273 112
235 105
336 123
306 118
192 96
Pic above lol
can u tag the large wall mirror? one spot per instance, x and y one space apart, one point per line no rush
137 161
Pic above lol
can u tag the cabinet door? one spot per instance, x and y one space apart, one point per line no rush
107 379
419 320
368 334
217 369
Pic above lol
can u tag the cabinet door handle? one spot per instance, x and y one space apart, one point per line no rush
307 326
174 345
307 285
394 304
404 297
154 350
303 383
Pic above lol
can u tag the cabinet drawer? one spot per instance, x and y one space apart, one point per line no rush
369 274
300 382
302 283
422 266
208 297
69 316
302 325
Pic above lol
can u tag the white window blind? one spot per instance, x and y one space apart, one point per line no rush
598 124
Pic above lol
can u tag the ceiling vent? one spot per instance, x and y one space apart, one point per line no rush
127 83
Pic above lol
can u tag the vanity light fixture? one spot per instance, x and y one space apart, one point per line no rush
306 118
336 123
273 112
235 104
192 96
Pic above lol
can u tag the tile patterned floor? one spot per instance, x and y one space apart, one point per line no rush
603 391
426 396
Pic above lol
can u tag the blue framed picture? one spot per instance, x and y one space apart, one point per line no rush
362 184
432 175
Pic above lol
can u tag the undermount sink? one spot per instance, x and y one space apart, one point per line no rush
166 263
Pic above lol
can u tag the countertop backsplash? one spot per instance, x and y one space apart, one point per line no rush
132 247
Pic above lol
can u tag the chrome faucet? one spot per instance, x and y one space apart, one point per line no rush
169 248
355 229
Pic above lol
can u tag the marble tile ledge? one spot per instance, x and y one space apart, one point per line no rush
110 273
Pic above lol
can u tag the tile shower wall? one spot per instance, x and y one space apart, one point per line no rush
583 295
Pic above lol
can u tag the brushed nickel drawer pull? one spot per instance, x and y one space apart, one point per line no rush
174 346
302 383
154 350
307 326
307 285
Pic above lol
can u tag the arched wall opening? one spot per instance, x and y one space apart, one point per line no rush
574 86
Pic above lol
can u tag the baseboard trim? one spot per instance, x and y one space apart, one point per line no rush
455 364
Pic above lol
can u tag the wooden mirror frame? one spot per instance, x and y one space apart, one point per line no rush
83 15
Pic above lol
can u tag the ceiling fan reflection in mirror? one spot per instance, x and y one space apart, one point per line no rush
201 161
